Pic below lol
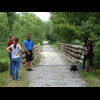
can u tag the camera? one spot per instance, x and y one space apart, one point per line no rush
85 41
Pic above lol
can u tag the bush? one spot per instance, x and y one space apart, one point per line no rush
3 65
97 55
76 41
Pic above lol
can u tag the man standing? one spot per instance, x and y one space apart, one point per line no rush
28 46
10 42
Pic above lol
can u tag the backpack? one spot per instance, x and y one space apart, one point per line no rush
79 67
73 68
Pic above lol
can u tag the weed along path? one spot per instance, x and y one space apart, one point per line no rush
54 71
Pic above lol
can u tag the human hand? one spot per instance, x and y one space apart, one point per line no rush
28 53
33 52
17 54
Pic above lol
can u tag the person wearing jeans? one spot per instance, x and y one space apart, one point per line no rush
10 42
16 48
10 63
15 62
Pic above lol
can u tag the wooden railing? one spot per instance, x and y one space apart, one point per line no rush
75 53
35 55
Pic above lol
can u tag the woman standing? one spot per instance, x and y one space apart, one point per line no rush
16 49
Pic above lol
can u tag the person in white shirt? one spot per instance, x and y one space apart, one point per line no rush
16 49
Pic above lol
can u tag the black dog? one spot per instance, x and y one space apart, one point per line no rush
73 68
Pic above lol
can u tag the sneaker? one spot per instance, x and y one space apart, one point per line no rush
31 69
27 69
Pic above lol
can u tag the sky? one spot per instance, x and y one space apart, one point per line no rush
43 15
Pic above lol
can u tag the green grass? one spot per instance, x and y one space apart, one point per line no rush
6 79
93 78
54 46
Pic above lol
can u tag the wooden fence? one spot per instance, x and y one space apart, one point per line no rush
36 53
75 53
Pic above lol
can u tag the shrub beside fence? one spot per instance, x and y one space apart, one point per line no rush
75 53
4 65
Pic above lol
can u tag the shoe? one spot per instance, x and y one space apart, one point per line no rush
31 69
27 69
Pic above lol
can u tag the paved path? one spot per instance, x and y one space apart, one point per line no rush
54 71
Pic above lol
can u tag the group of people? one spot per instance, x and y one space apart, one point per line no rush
14 50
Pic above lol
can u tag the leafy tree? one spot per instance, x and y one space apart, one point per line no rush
11 19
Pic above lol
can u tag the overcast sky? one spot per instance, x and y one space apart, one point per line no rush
43 15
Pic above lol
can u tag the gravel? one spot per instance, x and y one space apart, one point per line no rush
54 71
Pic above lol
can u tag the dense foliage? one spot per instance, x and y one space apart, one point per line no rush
66 27
70 27
19 25
3 65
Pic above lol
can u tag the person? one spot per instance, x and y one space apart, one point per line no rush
89 55
10 42
16 49
28 47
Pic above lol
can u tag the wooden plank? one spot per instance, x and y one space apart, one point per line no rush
72 51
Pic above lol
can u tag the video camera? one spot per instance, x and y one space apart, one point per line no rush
85 41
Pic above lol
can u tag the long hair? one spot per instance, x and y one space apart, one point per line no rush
16 41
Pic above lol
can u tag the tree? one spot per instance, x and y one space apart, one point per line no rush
3 26
11 19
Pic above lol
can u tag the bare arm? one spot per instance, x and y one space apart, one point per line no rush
8 49
19 50
27 51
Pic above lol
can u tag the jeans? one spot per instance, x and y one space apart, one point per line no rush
15 63
10 56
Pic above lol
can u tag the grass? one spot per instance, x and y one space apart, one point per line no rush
54 46
93 79
7 81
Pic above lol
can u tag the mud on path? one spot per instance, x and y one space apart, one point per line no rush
54 71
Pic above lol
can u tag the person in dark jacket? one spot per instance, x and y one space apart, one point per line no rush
89 55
